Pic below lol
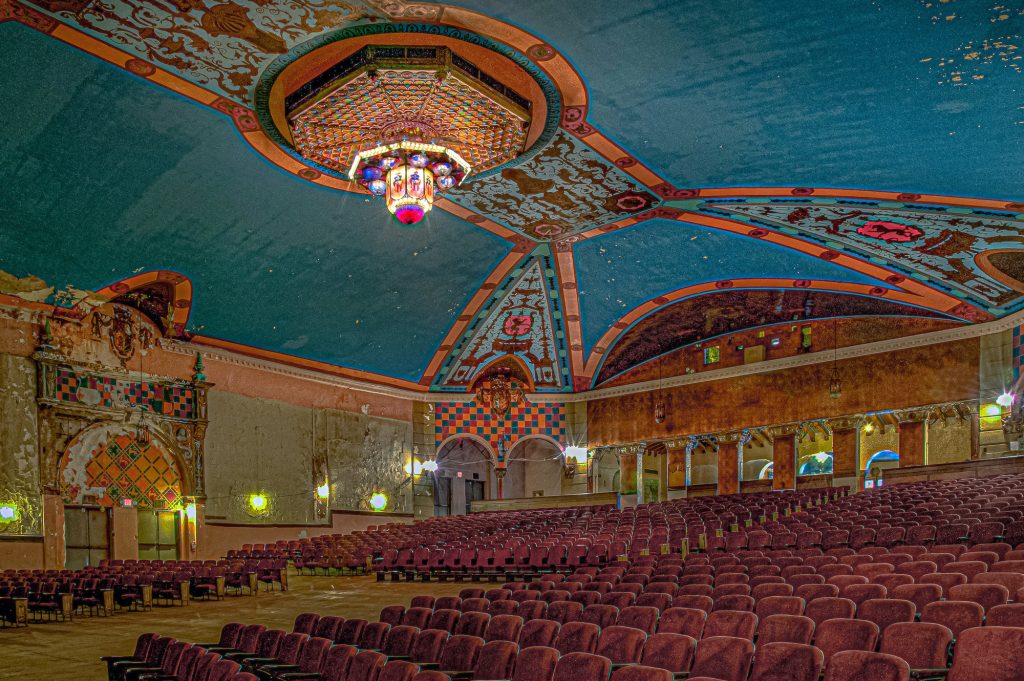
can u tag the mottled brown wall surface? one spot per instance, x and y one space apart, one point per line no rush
917 376
824 336
19 435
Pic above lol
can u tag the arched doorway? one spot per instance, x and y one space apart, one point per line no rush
464 474
815 464
874 470
534 468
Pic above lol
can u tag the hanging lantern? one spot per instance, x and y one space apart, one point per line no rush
408 175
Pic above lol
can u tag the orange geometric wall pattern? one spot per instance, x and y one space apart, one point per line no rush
105 468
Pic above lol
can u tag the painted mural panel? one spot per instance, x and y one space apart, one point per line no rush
938 243
106 465
519 323
564 189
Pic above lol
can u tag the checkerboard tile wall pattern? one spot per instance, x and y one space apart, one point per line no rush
172 400
127 469
472 418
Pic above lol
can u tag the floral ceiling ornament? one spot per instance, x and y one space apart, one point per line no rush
500 394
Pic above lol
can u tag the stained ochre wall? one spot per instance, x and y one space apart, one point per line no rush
916 376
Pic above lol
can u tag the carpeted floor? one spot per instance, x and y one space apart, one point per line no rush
70 651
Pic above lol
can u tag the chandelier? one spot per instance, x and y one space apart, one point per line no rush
408 174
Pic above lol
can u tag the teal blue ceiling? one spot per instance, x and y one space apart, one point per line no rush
103 175
618 271
917 96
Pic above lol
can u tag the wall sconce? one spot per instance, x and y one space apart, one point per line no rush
258 503
430 466
9 513
1005 400
378 501
323 491
190 513
414 468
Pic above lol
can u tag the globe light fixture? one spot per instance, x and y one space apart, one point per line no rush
323 491
430 466
8 513
1005 400
378 501
258 502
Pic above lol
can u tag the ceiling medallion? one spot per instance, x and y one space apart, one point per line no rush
407 123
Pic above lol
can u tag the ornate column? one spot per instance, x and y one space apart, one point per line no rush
640 473
728 462
846 447
913 437
784 455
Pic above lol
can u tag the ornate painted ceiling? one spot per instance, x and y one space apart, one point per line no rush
860 155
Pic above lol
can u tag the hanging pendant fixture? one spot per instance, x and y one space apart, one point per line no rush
835 383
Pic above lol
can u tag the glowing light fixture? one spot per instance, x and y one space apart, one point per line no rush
430 466
414 468
822 457
869 428
190 512
991 410
408 174
1005 400
8 513
378 501
258 502
323 491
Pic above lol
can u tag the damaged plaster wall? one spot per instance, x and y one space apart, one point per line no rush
365 454
269 446
19 446
257 445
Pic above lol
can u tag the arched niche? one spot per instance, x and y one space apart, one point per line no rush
534 465
462 461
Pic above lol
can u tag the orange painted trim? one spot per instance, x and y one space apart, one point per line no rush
983 261
507 264
182 302
311 364
613 335
565 268
824 192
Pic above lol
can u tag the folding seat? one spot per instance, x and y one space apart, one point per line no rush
699 602
765 570
695 590
398 670
620 644
784 660
305 623
938 558
577 637
422 602
426 646
392 614
986 557
921 534
398 642
1009 615
503 628
829 571
779 605
886 611
673 652
836 635
686 580
526 595
350 631
731 623
822 609
492 595
660 601
532 609
965 568
842 581
763 591
785 629
619 599
581 666
416 617
639 617
366 666
471 592
473 623
586 598
229 635
797 581
858 593
923 645
535 663
164 664
725 658
1013 581
564 611
538 633
442 619
730 590
223 670
955 615
810 592
859 665
601 615
448 603
988 654
266 646
555 595
247 642
1009 566
507 607
731 578
733 602
986 595
919 594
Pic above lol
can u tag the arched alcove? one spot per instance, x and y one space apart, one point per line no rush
534 465
465 472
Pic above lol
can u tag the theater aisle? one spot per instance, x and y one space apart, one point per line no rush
65 651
